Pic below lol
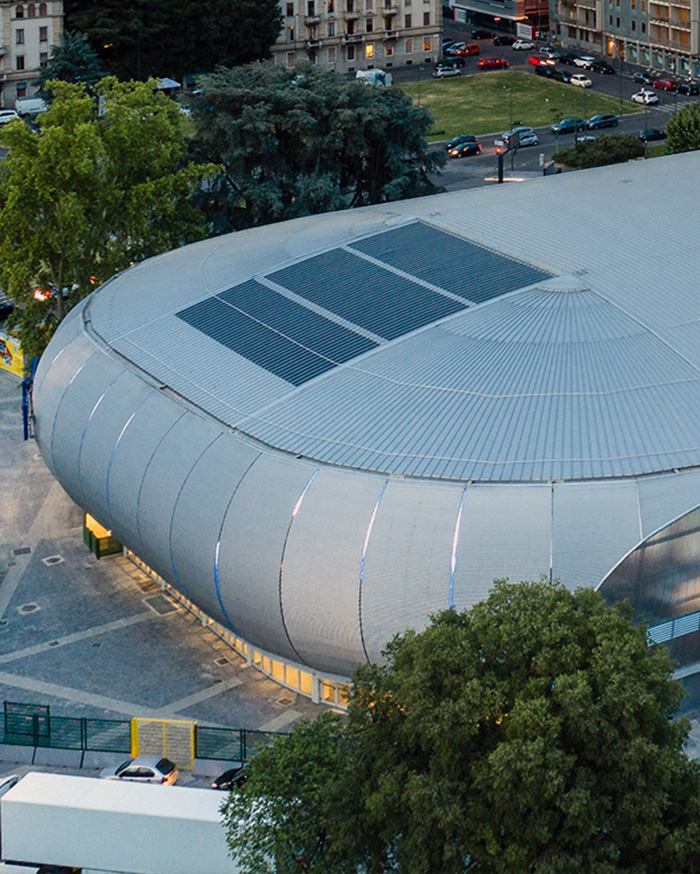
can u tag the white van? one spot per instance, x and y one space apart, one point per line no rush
28 107
374 77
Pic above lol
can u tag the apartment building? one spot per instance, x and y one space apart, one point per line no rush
661 34
511 16
350 35
27 32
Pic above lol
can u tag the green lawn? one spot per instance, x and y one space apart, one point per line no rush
480 104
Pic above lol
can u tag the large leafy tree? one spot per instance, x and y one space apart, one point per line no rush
88 193
533 733
176 37
683 130
308 141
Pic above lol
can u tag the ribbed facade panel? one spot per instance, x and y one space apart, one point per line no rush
505 532
321 585
665 498
166 473
253 540
198 517
407 566
594 525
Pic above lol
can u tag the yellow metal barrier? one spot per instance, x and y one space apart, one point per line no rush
172 738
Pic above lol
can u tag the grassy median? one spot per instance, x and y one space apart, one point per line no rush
481 103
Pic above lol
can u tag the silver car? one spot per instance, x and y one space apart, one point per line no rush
144 769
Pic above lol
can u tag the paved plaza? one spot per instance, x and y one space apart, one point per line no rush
98 638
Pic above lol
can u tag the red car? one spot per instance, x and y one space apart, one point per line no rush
665 84
492 64
540 61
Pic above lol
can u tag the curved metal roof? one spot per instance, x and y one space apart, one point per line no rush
445 337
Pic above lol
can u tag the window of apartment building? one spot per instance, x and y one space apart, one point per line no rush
43 59
19 12
331 28
634 4
19 62
43 34
351 53
388 50
617 22
610 17
290 33
369 25
644 5
407 20
330 6
290 10
556 9
350 5
31 10
408 47
426 44
290 59
634 24
42 9
351 26
21 89
644 27
387 23
368 5
311 8
426 19
369 51
331 55
19 36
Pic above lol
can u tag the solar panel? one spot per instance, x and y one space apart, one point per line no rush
457 265
365 294
275 333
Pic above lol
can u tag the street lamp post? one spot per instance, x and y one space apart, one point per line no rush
509 91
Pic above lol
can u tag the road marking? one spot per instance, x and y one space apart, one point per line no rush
195 698
280 722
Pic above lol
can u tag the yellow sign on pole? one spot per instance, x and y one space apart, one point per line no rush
11 358
172 738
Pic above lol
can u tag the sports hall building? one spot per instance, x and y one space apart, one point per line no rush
319 432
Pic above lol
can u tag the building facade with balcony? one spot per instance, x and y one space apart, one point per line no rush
659 34
350 35
510 16
27 32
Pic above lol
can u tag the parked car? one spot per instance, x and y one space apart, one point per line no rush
581 80
586 138
645 97
8 115
596 121
562 76
665 84
651 133
504 39
493 64
643 77
451 61
602 67
236 776
539 61
546 52
568 126
567 58
545 70
466 148
688 88
444 71
584 61
528 138
144 769
459 140
471 48
523 45
523 131
483 34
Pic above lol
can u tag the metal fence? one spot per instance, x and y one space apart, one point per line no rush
33 725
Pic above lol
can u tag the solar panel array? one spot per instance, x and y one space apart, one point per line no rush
346 301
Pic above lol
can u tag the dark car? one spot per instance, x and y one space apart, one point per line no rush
597 121
688 88
483 34
230 778
465 149
568 126
602 67
651 133
452 61
562 76
545 70
504 40
6 307
567 58
459 140
493 64
643 77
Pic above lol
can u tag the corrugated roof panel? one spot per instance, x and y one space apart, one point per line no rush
357 290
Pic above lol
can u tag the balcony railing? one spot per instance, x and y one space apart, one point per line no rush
313 43
352 37
312 20
4 49
352 14
393 9
671 22
390 34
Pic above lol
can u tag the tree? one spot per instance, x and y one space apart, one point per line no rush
683 130
306 141
276 823
72 61
601 151
88 194
532 733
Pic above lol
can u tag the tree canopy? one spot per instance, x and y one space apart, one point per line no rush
532 733
87 194
176 37
304 141
683 130
601 151
72 61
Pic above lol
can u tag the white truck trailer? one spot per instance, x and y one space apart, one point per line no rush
108 825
